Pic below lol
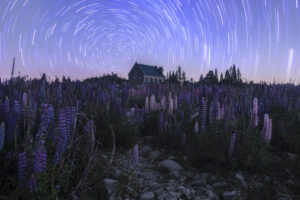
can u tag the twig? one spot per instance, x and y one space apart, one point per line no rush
114 145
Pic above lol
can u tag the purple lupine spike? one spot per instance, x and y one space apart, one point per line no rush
11 127
6 107
2 135
64 134
24 99
255 112
17 110
33 183
232 145
203 114
59 94
22 169
211 113
135 155
161 121
40 160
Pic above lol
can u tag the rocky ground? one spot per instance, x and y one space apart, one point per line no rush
162 176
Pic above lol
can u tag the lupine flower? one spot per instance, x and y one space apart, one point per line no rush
211 113
132 112
196 127
170 105
22 169
267 129
24 99
147 105
17 110
161 121
218 111
33 183
6 106
232 144
40 160
203 114
152 103
64 134
135 155
222 112
163 103
2 135
175 102
255 112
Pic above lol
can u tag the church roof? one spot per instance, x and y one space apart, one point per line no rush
149 70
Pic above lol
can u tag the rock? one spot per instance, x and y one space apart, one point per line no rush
170 165
147 196
206 193
292 156
111 186
145 150
200 179
185 191
240 177
163 195
118 173
230 195
171 157
175 174
154 154
219 184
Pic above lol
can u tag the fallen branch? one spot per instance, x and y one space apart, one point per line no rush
114 145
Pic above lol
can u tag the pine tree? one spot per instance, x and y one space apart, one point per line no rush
234 75
239 76
183 77
201 78
216 75
221 77
179 75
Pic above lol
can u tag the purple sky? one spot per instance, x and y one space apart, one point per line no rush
84 38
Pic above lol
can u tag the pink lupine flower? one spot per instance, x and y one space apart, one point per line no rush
175 102
170 105
152 103
267 129
135 155
132 112
147 105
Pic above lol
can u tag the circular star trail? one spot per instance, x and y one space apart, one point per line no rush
83 38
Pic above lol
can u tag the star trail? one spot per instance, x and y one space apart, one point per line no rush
84 38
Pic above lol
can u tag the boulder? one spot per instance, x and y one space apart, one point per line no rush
147 196
154 154
230 195
170 165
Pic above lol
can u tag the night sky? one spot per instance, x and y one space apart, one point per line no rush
84 38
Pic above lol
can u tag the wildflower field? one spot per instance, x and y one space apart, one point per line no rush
53 133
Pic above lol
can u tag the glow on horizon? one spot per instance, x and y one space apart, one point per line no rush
85 38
